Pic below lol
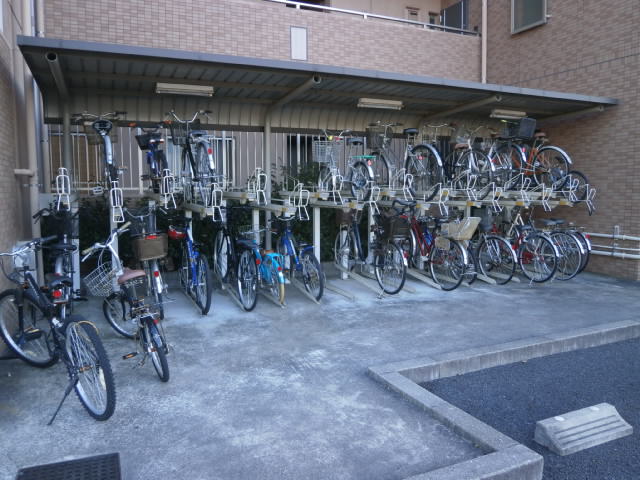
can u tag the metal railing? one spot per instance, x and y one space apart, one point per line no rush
367 15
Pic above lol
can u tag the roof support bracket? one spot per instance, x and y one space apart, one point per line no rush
58 76
462 108
564 116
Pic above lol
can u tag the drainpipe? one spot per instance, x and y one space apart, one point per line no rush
43 130
63 93
310 83
484 41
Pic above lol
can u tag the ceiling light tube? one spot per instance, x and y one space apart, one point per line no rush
380 103
507 114
183 89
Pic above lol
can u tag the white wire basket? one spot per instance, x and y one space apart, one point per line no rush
325 151
99 281
460 230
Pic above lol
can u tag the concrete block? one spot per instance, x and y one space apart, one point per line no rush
585 428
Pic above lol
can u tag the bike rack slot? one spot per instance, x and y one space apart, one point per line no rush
63 189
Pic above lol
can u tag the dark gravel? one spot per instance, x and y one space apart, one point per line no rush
512 398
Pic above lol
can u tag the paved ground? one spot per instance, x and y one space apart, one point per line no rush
278 394
512 398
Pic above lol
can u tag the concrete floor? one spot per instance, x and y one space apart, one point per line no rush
283 393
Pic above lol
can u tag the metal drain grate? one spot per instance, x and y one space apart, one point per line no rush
98 467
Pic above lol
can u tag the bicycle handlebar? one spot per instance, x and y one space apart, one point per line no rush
99 246
92 116
29 245
195 115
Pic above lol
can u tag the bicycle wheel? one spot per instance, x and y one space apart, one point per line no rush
361 181
312 274
117 311
151 267
247 280
156 168
184 274
326 181
473 172
586 248
275 287
26 330
203 169
155 346
506 163
221 251
550 167
380 169
447 264
426 170
471 267
570 250
390 268
580 186
538 258
87 362
496 259
344 249
204 286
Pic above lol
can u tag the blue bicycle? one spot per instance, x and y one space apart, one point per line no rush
299 258
240 262
195 277
150 141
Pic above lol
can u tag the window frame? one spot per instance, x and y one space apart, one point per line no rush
529 26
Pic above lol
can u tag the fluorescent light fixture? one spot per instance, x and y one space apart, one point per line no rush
507 114
380 103
182 89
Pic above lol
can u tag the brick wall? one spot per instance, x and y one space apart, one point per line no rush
12 196
261 29
590 47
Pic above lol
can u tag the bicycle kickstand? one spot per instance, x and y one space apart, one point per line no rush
72 383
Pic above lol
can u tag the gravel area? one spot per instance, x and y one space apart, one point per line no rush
512 398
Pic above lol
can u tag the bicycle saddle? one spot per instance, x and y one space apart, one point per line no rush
56 283
540 135
130 275
460 145
355 141
551 221
65 247
197 133
410 131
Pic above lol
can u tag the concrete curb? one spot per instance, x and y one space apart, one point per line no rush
503 458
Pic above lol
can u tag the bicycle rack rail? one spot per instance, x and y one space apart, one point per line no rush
299 198
167 188
257 184
216 202
63 189
116 200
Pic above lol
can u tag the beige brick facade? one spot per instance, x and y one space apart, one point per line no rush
261 29
590 47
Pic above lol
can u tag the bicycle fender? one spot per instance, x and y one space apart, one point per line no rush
557 149
207 146
433 151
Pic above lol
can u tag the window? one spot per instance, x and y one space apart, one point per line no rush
413 13
298 43
434 18
526 14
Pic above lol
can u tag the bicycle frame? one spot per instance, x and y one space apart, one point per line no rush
288 242
193 254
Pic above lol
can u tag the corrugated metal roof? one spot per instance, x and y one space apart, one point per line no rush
105 77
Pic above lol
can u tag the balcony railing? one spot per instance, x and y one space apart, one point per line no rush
366 15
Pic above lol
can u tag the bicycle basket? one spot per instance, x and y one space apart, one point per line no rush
93 138
150 247
460 230
344 217
324 151
394 226
180 131
524 129
375 137
144 139
98 282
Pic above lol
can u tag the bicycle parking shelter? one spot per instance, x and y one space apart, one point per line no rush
271 96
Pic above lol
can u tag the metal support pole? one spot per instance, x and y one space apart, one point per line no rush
267 170
255 224
316 232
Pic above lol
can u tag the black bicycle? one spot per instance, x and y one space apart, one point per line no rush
34 325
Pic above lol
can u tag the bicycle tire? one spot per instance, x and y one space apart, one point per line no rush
361 180
312 275
156 169
426 170
507 162
202 163
345 250
221 252
247 280
390 268
86 357
570 250
275 286
184 274
157 346
540 257
203 290
26 333
550 167
586 246
496 259
479 176
188 173
380 169
116 310
471 267
581 190
150 267
326 181
447 265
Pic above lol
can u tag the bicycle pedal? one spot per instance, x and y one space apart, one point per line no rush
129 355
